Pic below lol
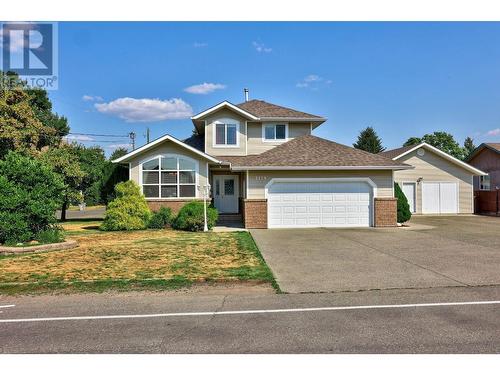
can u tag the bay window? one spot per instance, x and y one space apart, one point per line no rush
169 176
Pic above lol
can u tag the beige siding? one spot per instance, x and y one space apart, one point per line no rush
210 129
257 180
432 167
257 146
168 148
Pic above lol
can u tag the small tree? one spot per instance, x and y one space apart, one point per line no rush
404 213
129 210
369 141
30 193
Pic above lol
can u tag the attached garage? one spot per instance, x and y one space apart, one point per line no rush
308 203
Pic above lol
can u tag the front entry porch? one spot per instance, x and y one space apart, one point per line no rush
227 191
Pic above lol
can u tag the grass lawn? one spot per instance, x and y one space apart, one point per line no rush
148 259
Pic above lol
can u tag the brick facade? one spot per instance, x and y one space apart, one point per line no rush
175 204
385 212
255 213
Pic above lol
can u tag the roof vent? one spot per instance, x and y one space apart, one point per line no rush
246 94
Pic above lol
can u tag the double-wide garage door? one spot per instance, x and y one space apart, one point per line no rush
309 204
439 198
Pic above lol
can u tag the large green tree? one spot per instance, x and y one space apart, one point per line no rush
441 140
64 160
93 163
368 140
27 123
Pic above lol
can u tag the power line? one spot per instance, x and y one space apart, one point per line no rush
100 135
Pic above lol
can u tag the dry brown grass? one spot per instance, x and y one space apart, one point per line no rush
140 255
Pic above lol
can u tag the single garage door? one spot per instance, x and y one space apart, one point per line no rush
309 204
439 198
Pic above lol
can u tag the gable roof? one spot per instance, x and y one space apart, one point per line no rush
395 152
402 151
167 137
265 110
260 110
310 152
495 147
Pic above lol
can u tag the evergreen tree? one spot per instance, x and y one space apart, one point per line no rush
369 141
469 147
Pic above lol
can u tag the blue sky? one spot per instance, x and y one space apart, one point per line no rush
404 79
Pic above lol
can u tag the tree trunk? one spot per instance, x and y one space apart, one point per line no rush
63 210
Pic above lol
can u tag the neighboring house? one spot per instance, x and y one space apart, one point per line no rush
439 183
263 165
487 158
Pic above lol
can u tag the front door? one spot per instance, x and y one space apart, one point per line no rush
226 193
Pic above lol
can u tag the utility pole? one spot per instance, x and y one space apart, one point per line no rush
147 135
132 139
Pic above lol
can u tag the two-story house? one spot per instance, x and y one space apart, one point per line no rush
262 162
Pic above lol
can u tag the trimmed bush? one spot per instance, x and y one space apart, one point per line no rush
404 213
161 219
30 193
128 211
51 235
191 218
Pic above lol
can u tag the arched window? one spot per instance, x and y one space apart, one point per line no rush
169 176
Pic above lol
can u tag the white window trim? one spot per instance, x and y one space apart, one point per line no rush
264 125
480 183
196 177
225 121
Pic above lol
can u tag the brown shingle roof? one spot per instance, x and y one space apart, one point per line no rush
396 152
261 109
492 146
311 151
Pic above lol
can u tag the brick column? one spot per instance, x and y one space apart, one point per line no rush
255 213
386 212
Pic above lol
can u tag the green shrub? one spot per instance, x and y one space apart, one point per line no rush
161 219
51 235
191 218
404 213
30 193
129 210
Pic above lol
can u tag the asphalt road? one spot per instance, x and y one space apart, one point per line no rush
139 322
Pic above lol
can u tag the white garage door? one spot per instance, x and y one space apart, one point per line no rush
319 204
439 198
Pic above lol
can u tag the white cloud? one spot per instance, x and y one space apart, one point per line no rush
146 110
118 145
90 98
200 44
494 132
260 47
313 82
78 138
204 88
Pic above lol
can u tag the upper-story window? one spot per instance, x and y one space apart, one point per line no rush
169 176
275 132
226 133
484 182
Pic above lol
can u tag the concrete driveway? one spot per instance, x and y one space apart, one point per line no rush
434 252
